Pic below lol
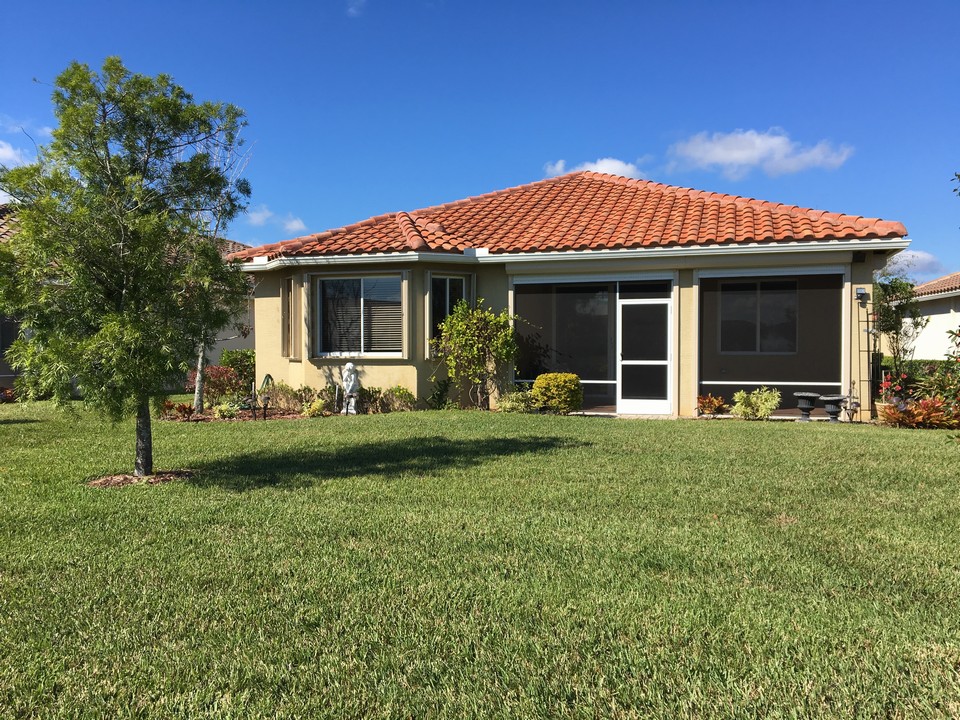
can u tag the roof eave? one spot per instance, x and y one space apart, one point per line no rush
262 263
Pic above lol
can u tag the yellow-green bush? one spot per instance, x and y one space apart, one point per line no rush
558 393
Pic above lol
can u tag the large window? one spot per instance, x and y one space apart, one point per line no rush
445 293
359 315
758 316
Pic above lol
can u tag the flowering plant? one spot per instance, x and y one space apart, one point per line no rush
892 389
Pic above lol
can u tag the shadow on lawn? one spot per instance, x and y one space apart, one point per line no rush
419 456
18 421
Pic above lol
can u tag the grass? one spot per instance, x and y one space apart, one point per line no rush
456 564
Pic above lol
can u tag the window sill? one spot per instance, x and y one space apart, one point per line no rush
358 356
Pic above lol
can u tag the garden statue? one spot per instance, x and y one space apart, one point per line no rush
351 389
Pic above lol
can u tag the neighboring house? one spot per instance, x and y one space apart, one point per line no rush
230 337
9 328
652 294
940 303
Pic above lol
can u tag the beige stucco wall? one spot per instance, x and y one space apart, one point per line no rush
493 282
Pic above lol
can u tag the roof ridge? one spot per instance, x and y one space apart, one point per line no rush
410 231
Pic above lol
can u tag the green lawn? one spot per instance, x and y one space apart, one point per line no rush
456 564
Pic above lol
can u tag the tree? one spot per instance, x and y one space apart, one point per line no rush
897 315
476 346
114 274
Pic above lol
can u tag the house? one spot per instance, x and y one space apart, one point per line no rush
940 303
652 294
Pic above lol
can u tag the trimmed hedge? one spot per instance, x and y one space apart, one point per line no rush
558 393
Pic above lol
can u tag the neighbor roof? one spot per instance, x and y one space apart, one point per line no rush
945 284
583 211
7 222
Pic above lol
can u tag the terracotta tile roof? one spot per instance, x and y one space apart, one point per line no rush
7 222
947 283
583 211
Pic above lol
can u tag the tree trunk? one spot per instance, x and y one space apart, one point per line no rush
201 376
143 465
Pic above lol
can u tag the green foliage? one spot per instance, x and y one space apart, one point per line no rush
897 317
320 406
756 405
285 398
439 397
933 400
226 411
398 399
518 401
476 346
558 393
115 272
244 363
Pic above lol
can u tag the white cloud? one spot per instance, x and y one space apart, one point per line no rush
916 263
736 153
10 156
12 126
259 215
355 7
262 216
294 224
610 165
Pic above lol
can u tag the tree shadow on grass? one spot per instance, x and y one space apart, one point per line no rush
18 421
305 467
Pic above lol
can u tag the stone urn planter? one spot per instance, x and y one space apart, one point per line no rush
833 404
806 401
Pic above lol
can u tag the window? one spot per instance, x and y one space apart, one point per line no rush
445 293
359 315
758 317
290 312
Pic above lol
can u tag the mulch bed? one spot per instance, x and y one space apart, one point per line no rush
243 415
163 476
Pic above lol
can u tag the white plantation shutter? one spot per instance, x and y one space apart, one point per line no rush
382 315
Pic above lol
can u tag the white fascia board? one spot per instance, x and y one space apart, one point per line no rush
261 264
939 296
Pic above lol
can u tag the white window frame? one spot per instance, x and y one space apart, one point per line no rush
468 295
317 315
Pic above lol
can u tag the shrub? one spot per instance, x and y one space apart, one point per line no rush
518 401
757 405
476 346
327 400
244 363
219 382
370 400
226 411
398 399
924 413
710 405
558 393
183 411
318 408
287 399
439 397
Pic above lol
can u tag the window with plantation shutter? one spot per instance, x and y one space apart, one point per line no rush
359 315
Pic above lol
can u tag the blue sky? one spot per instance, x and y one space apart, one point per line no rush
360 107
